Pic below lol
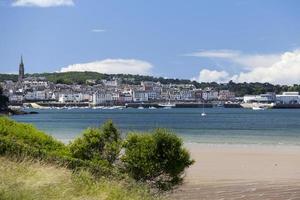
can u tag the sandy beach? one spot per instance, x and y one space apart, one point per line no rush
242 172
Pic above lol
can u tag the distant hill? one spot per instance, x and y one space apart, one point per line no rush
240 89
81 77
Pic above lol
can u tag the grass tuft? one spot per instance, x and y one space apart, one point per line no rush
27 180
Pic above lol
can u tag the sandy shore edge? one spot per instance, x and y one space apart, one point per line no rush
241 172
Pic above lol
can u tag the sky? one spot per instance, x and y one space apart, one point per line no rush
202 40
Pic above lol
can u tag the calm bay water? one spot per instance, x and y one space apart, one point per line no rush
220 126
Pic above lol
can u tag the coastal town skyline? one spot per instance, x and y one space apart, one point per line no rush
233 45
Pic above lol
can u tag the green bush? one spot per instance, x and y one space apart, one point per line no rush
3 100
16 137
98 144
19 140
157 158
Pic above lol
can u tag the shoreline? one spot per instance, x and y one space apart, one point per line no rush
284 146
241 172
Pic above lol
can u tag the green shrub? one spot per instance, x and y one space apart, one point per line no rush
98 144
19 140
158 158
3 101
16 136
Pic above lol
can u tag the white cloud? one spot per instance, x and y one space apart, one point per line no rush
98 30
285 71
207 75
223 53
43 3
113 66
245 60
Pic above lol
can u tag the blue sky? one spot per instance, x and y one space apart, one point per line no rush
211 40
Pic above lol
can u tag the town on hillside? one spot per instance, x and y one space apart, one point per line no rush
38 92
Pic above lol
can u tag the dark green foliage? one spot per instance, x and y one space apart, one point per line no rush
23 140
158 158
3 101
72 77
27 136
13 77
98 144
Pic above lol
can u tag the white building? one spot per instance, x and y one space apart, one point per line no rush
113 83
139 96
126 97
35 96
153 95
16 98
262 98
101 97
74 98
288 98
36 82
210 95
186 95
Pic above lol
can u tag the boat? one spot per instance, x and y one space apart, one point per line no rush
203 114
140 107
257 104
258 108
167 105
152 107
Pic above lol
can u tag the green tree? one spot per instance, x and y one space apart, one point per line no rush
3 101
158 158
98 144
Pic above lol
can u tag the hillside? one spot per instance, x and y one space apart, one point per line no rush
240 89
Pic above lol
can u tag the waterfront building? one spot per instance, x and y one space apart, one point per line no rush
186 95
125 97
139 96
209 95
262 98
74 98
16 98
198 94
101 97
35 96
288 98
226 95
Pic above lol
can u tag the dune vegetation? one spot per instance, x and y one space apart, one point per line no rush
30 179
99 164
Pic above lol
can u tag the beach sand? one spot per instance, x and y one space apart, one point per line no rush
241 172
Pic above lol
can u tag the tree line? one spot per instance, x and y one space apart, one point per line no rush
240 89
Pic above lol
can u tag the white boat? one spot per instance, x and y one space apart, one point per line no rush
203 114
98 107
152 108
260 105
140 107
258 108
167 105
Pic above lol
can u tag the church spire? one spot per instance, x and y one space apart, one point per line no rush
21 70
21 60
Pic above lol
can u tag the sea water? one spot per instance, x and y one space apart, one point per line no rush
219 126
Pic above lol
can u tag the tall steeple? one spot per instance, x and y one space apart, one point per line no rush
21 70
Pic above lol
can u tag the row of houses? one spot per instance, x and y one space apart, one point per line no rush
39 89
